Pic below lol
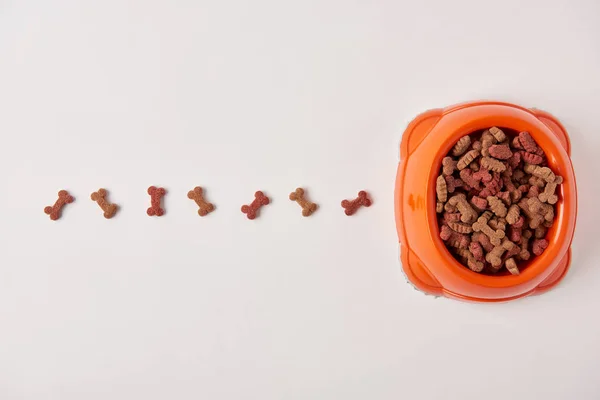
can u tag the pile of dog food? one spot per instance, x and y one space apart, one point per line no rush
495 200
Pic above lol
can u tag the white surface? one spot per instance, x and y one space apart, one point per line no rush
244 95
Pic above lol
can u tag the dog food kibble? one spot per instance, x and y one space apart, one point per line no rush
496 200
351 206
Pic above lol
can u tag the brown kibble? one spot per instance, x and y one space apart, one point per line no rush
482 226
55 210
351 206
497 206
541 172
540 232
461 146
511 266
492 164
519 176
448 166
307 207
441 189
468 214
473 264
524 254
460 227
467 159
537 181
498 134
548 196
487 140
500 151
513 214
536 206
476 145
538 246
156 195
439 207
204 207
100 198
497 223
450 208
494 257
535 219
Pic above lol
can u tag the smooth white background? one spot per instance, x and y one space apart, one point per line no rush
268 94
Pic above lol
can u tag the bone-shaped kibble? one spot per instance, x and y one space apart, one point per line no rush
541 172
461 146
494 257
251 210
487 140
467 159
513 214
548 196
472 262
449 166
454 239
204 207
536 206
459 201
535 219
492 164
460 227
497 133
482 226
497 206
307 207
350 206
156 195
108 208
439 207
497 223
537 181
540 232
441 189
524 253
511 266
55 211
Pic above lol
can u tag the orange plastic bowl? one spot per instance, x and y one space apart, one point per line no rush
427 263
